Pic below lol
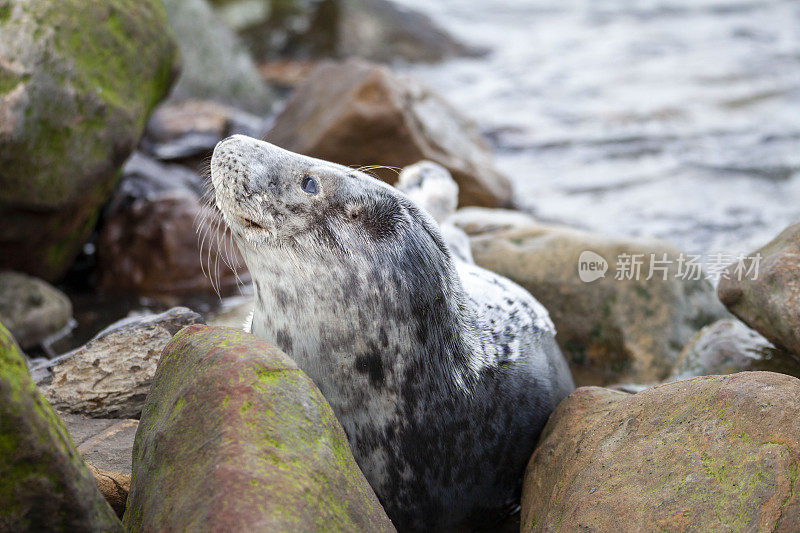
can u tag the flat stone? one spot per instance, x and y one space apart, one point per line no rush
110 376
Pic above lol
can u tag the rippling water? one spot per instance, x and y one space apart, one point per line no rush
678 119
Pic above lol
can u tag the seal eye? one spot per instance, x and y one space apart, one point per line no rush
309 185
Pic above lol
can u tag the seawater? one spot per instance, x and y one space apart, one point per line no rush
675 119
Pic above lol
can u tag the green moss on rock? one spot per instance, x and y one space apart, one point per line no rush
253 446
44 483
90 73
715 453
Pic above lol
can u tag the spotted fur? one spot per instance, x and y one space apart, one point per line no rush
441 373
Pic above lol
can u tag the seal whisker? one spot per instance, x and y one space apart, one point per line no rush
217 268
367 169
201 229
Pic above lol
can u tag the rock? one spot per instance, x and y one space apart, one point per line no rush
478 220
235 437
716 453
105 443
286 74
190 129
77 81
109 376
106 446
377 30
610 330
156 236
380 30
114 487
728 346
44 483
32 309
770 303
356 113
216 66
145 178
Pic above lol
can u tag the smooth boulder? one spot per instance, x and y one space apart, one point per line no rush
765 292
715 453
729 346
32 309
234 436
77 82
610 330
44 483
357 113
109 376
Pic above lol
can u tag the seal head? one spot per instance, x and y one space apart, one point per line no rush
442 374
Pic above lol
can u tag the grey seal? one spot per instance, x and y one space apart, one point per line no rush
441 373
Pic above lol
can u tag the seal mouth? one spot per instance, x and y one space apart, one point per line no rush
251 224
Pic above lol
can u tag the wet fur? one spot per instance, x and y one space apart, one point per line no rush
441 373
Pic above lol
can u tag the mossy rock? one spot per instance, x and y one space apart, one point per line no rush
44 483
713 453
78 79
234 436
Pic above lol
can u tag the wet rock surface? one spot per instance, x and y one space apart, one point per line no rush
729 346
710 453
356 113
44 483
768 297
110 376
75 92
235 436
32 309
610 330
